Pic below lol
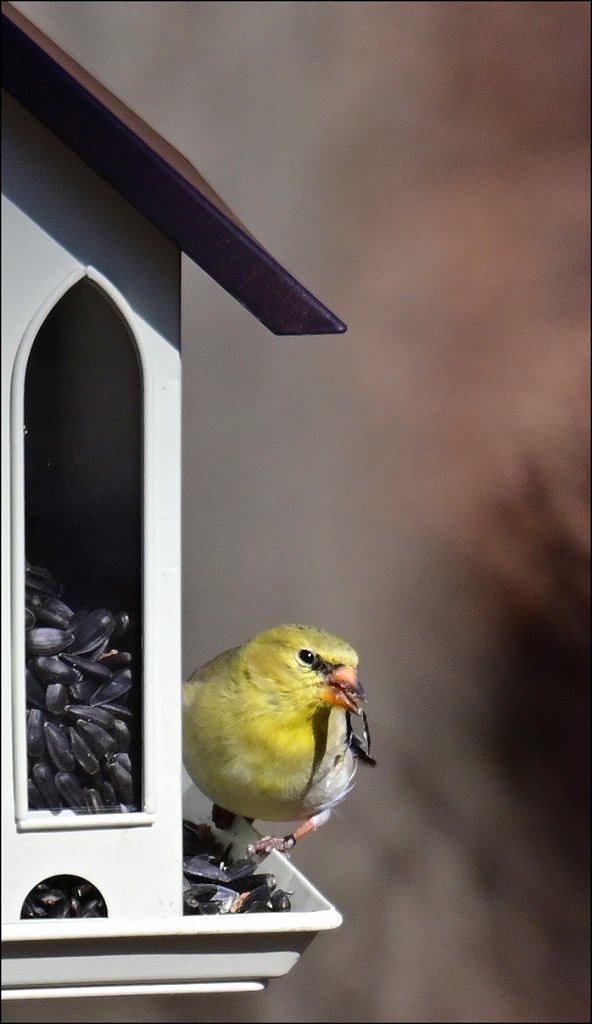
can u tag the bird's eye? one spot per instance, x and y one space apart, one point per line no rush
306 657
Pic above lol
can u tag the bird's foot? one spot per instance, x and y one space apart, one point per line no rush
268 843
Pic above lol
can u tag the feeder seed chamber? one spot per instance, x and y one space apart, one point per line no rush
97 209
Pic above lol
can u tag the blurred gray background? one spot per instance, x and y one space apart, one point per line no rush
419 485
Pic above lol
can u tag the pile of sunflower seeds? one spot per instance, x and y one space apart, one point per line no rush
214 884
80 704
64 896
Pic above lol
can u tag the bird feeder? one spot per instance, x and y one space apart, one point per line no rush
97 209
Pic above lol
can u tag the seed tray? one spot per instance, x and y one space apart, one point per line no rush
213 953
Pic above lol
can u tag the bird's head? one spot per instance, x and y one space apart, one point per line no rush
308 666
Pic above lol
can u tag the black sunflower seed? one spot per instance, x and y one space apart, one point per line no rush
84 890
99 650
49 897
122 621
51 669
121 734
86 758
91 714
97 738
94 630
58 747
32 908
56 698
35 733
47 617
260 894
48 640
109 797
114 689
209 898
43 777
280 900
93 801
121 781
70 789
96 670
36 801
199 867
124 759
59 607
240 868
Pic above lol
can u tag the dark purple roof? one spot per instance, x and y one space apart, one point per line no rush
154 177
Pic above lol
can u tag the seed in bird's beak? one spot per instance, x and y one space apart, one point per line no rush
343 689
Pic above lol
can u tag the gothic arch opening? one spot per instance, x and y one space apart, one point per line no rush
83 486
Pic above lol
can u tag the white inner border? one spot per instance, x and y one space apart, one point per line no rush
26 819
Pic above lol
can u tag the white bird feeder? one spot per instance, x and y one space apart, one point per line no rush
97 209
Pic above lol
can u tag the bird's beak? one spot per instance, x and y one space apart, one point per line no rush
343 689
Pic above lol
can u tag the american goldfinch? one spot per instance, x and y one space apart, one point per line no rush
267 730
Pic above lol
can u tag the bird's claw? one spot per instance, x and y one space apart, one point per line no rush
268 843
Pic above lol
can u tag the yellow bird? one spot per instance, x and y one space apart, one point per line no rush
267 729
